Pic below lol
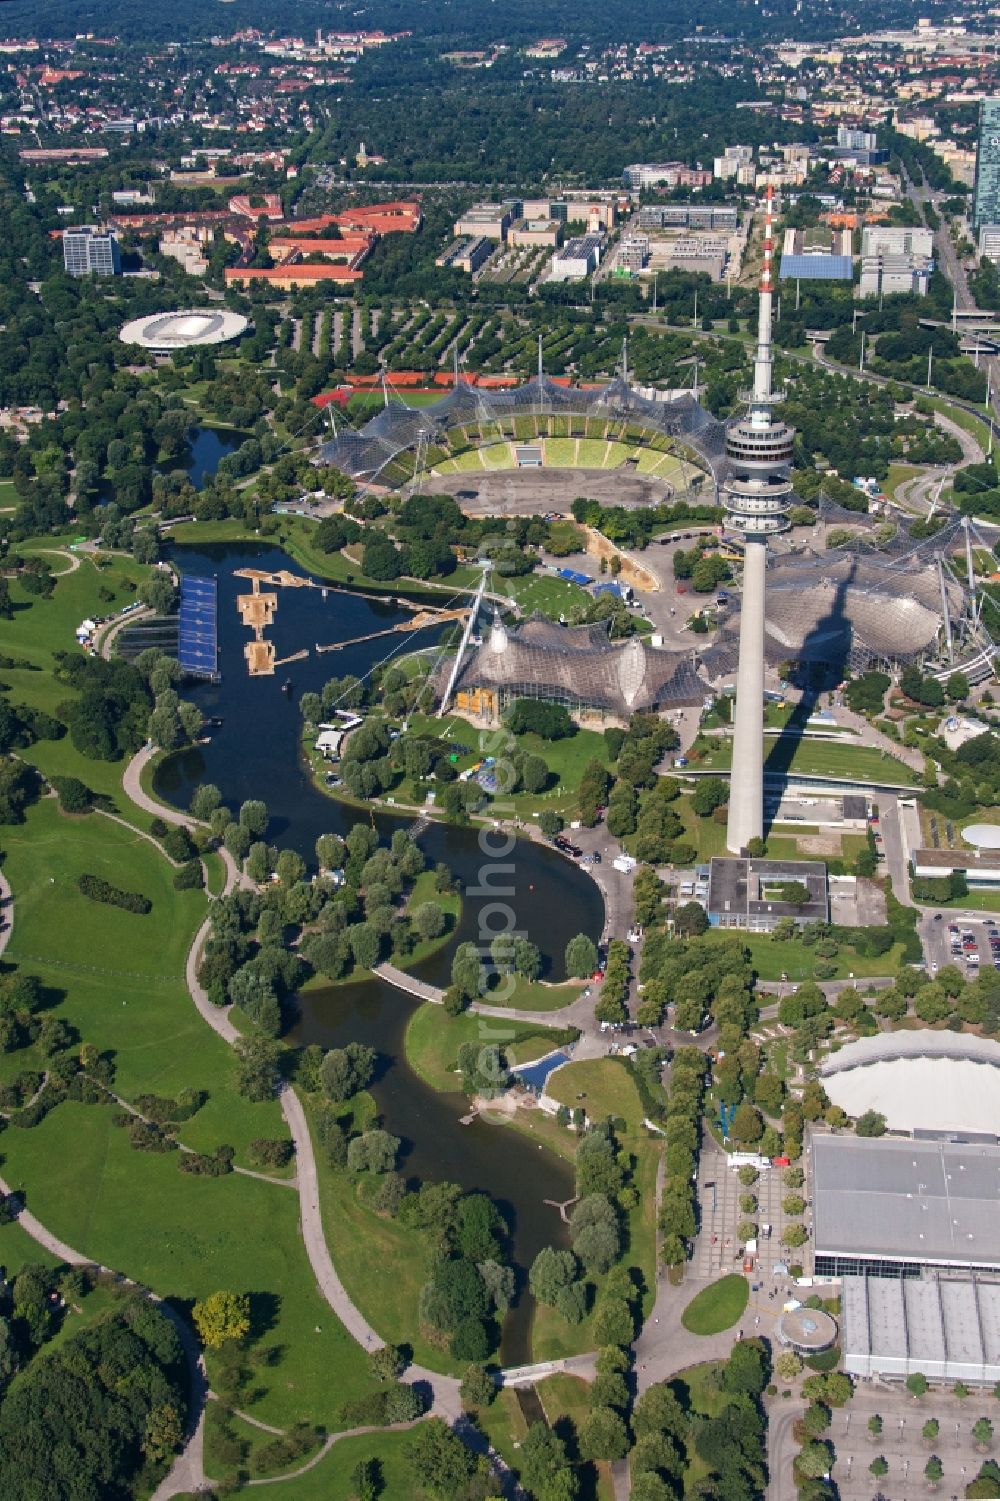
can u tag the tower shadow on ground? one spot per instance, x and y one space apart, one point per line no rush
819 668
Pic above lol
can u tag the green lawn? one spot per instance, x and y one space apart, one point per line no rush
187 1237
718 1306
529 995
773 958
424 890
602 1086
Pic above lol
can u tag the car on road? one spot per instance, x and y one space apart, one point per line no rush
937 917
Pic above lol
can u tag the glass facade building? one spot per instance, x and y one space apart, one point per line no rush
986 202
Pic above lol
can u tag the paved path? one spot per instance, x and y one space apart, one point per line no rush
409 983
782 1448
70 558
107 634
135 792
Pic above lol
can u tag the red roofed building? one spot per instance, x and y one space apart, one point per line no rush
294 275
272 207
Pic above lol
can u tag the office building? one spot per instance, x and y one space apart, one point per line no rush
721 217
491 220
577 258
89 251
986 192
467 254
750 893
895 239
530 233
884 275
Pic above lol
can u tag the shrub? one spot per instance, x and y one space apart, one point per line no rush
74 795
99 890
190 877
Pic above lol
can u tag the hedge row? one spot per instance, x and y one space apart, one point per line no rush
99 890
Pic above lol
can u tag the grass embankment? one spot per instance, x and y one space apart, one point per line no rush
718 1306
380 1263
295 536
856 763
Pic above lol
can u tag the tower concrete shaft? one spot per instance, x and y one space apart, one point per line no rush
757 494
746 787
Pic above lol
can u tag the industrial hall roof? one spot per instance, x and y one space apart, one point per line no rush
929 1202
580 664
365 452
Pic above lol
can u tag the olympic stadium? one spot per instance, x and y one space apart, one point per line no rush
192 328
865 603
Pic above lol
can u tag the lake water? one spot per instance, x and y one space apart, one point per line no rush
257 753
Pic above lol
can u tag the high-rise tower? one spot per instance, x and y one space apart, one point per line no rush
756 494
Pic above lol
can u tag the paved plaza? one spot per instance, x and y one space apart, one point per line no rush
719 1249
902 1445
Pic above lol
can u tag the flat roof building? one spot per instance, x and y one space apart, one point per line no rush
888 274
577 258
746 893
892 1208
467 254
947 1328
896 239
489 219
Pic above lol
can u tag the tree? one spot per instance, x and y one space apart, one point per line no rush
982 1433
814 1460
690 920
551 1271
875 1425
746 1370
366 1479
788 1366
387 1363
747 1125
603 1435
345 1071
468 975
871 1123
545 1465
164 1433
933 1470
372 1152
429 920
439 1460
257 1075
917 1384
879 1466
478 1389
930 1430
222 1317
710 793
581 957
550 823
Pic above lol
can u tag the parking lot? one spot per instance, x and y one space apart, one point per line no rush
901 1443
971 945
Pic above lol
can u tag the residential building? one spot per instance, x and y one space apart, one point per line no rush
641 175
856 140
986 192
633 253
89 251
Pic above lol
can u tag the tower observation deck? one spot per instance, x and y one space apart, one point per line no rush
757 495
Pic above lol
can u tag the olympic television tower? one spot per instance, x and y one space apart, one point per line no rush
756 495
